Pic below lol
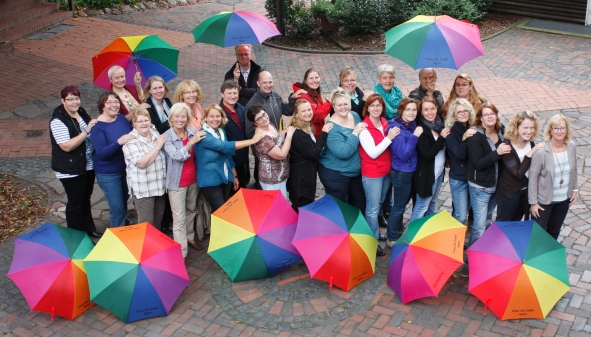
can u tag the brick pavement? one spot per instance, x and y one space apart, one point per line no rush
521 70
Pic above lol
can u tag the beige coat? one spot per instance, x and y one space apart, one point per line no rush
541 174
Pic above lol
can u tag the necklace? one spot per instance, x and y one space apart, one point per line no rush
560 166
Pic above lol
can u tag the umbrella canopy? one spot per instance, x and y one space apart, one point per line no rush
47 268
336 242
425 256
434 42
233 28
251 235
147 54
518 270
136 272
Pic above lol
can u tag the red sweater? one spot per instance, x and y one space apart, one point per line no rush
379 167
320 109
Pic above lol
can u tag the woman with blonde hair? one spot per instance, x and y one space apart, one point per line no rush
155 97
348 81
128 94
190 93
463 87
553 183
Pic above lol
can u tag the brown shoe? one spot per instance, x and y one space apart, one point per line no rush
194 245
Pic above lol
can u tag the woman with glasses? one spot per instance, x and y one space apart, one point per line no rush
553 183
272 150
348 81
463 88
189 92
511 193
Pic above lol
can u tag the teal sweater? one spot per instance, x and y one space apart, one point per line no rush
341 152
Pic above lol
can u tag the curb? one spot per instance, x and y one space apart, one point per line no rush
523 25
516 24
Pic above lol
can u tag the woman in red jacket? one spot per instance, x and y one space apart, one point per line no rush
374 150
313 94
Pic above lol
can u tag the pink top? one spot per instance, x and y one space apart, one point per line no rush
189 173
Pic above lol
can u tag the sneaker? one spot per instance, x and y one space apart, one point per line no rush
465 272
381 251
390 243
382 237
382 221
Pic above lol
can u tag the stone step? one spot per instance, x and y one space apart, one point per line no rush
29 14
9 7
34 26
561 10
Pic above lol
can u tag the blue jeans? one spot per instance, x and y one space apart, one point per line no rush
388 201
402 184
426 206
513 207
460 197
483 205
282 186
114 187
375 192
347 189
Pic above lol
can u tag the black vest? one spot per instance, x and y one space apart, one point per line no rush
73 162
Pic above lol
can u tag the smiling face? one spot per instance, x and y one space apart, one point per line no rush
375 110
189 95
118 78
214 118
387 80
230 97
429 111
265 82
243 56
71 103
462 88
462 114
179 120
305 112
157 90
558 131
341 106
489 118
526 129
261 118
409 113
142 124
112 106
313 80
349 83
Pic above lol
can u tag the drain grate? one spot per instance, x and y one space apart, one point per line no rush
34 133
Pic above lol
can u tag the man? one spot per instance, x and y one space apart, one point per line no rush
245 72
427 79
235 129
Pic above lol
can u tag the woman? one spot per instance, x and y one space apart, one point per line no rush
146 169
463 88
189 92
108 136
404 163
386 88
127 93
303 155
272 150
431 161
340 164
71 159
348 81
511 193
457 150
485 149
155 96
313 94
181 175
553 183
376 156
215 168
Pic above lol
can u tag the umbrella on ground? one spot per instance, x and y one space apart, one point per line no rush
518 270
47 268
425 256
434 42
136 272
251 235
336 242
233 28
147 54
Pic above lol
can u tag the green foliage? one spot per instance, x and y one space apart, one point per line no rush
332 12
104 3
270 6
482 5
64 6
367 16
400 11
458 9
299 21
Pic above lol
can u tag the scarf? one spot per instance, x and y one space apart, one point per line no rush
162 113
407 125
436 125
392 99
219 134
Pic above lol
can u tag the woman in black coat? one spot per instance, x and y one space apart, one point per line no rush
348 81
157 103
303 155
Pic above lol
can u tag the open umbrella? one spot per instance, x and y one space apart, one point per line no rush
47 268
425 256
251 235
147 54
518 270
434 42
233 28
136 272
336 242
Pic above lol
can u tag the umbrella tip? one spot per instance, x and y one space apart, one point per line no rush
330 284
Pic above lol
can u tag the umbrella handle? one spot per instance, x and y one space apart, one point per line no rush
486 304
52 313
330 283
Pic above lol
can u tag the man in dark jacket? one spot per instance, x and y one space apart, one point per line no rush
427 79
245 72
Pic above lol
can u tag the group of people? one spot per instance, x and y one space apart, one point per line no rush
375 152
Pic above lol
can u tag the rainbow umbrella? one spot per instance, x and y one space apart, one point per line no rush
336 242
518 270
251 235
233 28
147 54
136 272
425 256
47 268
434 42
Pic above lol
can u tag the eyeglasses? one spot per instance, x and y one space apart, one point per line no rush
143 121
488 115
463 112
462 84
262 117
190 92
350 81
112 102
375 106
557 129
73 99
410 110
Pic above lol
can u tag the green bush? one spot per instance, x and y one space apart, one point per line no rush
482 5
367 16
458 9
104 3
332 12
270 6
64 6
299 21
400 11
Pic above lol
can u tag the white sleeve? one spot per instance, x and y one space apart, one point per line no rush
368 144
60 131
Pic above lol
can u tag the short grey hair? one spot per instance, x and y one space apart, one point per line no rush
427 70
386 68
113 69
242 45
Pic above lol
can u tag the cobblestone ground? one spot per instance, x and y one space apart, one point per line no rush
521 70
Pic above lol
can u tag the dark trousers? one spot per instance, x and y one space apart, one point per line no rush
513 207
243 174
78 190
216 196
347 189
552 217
